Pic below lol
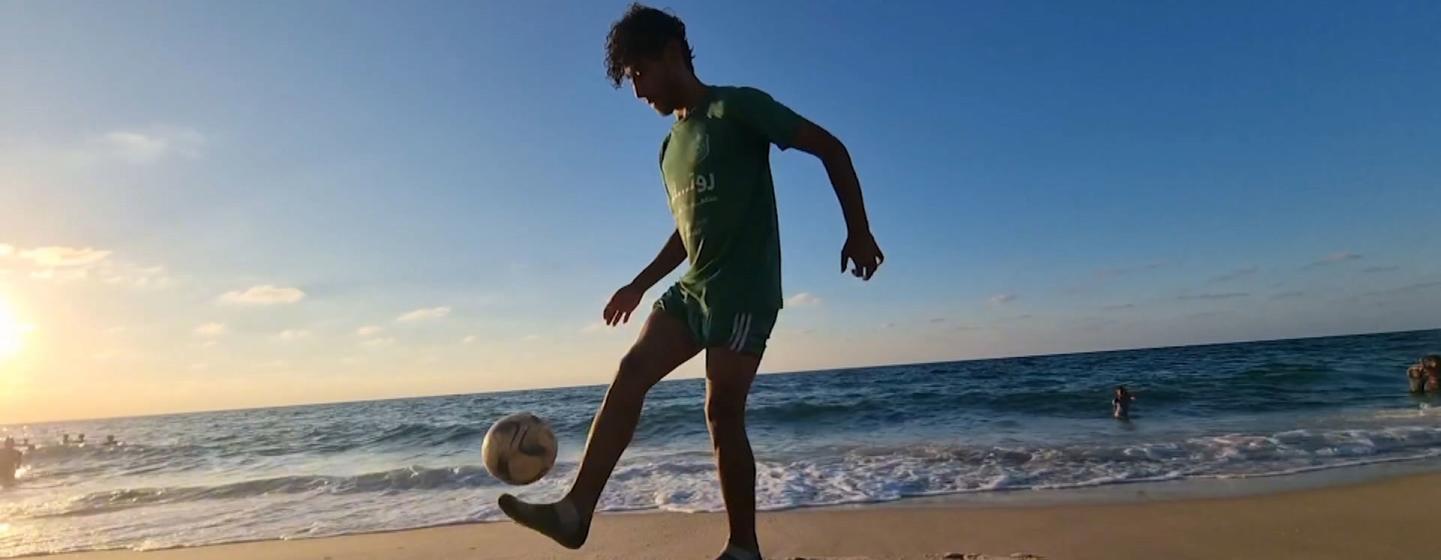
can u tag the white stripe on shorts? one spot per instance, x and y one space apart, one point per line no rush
742 333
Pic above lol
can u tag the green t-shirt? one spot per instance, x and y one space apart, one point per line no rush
717 171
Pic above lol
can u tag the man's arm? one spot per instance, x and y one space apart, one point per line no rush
671 255
860 247
620 306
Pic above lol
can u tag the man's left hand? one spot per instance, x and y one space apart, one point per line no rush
862 252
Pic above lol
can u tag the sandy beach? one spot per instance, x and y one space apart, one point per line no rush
1381 519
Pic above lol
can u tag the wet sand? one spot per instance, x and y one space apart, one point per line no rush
1392 518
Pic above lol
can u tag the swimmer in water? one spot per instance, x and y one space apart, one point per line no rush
1121 403
1416 378
1425 375
9 462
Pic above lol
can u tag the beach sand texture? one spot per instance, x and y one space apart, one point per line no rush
1391 518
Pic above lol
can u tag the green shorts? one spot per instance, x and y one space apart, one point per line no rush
744 331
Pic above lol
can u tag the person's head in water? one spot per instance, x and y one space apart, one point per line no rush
1121 392
1431 363
648 47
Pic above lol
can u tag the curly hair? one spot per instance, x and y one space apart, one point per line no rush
643 32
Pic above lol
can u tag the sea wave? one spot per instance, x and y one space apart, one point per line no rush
854 436
389 481
838 474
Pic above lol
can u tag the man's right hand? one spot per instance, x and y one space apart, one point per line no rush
621 304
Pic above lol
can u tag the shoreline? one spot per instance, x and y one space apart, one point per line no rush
1297 523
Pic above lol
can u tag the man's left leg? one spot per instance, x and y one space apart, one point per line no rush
729 374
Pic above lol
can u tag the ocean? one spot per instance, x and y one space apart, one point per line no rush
1032 425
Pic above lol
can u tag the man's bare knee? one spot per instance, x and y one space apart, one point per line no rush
633 378
725 408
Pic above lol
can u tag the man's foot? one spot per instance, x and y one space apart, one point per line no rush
560 521
734 552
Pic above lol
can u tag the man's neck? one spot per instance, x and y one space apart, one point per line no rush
693 93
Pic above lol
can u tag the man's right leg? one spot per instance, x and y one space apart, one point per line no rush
664 344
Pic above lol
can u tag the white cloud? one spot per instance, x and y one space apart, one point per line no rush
802 299
378 342
61 275
264 294
56 256
144 147
211 330
139 277
470 338
1001 299
65 264
368 330
1333 258
292 335
530 338
424 314
6 250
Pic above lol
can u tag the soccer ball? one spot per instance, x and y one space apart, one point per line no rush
519 449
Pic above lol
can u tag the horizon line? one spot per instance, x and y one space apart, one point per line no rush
789 372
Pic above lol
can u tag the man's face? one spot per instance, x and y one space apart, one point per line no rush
651 81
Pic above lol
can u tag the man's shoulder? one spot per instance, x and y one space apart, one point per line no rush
726 96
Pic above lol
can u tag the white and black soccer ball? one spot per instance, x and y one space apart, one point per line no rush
519 449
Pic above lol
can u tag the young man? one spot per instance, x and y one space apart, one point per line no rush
716 165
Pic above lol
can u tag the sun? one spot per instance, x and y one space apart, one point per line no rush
12 332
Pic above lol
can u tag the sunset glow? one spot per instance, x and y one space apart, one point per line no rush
12 332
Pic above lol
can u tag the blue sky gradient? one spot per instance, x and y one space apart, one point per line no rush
1043 177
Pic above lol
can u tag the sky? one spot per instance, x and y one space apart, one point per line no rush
218 205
